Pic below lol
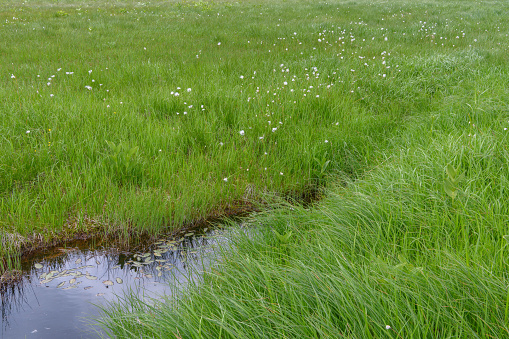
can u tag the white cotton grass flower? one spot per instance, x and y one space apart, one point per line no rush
242 132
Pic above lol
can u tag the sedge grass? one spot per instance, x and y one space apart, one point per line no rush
144 116
401 250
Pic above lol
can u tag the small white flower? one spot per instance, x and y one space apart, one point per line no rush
387 327
51 95
281 173
90 72
225 179
242 132
189 90
88 87
221 143
219 44
160 150
505 129
12 76
58 70
326 141
49 83
242 77
176 94
261 138
274 129
28 132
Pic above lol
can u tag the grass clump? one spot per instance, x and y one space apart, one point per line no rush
416 246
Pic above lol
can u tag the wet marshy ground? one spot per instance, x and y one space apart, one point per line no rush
59 290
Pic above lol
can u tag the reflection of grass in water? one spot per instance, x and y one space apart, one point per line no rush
12 295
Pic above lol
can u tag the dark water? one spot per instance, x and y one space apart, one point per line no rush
61 298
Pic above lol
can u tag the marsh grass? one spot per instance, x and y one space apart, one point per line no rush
412 240
212 109
375 100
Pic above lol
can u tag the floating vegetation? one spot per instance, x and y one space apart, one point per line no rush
162 252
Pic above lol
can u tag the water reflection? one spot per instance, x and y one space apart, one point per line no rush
59 290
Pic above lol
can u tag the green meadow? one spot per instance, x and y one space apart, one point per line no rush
126 118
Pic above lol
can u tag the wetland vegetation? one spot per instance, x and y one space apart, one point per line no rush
134 117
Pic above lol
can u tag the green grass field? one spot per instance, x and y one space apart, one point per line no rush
126 117
129 117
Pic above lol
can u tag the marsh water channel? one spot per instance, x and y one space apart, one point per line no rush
61 290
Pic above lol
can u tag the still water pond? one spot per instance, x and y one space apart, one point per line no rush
59 294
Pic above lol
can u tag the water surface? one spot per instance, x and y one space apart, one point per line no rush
60 291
